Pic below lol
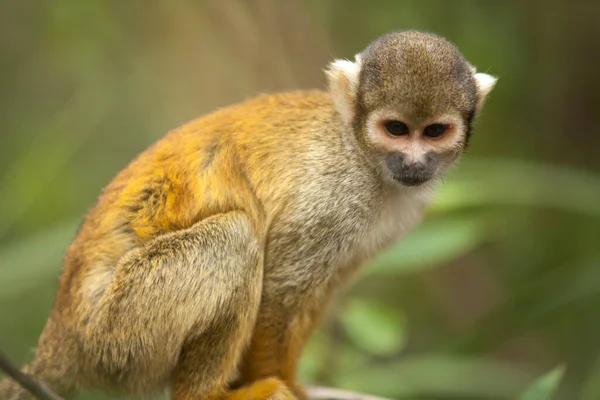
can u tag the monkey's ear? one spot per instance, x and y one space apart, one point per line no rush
485 83
343 83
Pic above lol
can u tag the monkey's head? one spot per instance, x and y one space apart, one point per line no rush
410 99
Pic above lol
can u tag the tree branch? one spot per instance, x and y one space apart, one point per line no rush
39 390
326 393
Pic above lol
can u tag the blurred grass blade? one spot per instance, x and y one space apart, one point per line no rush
431 244
591 388
439 376
552 297
487 182
29 262
544 387
47 157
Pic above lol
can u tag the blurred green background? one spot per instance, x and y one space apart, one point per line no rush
495 296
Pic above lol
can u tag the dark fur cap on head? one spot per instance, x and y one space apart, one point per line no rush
422 72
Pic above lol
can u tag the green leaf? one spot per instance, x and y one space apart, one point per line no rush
432 243
545 386
373 328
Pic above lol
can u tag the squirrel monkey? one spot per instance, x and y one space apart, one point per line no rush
206 263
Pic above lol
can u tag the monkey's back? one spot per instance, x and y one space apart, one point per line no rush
217 163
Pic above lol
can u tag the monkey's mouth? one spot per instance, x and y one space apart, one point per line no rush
412 180
411 173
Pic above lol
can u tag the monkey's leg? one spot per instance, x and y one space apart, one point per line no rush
181 308
278 341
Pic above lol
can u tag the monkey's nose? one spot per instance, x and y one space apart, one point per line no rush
408 174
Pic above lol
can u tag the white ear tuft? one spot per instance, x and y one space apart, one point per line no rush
485 83
343 82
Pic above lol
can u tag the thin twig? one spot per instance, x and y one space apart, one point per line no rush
39 390
325 393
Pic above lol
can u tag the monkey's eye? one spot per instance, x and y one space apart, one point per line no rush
435 131
396 128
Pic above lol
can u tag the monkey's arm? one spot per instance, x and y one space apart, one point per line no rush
279 338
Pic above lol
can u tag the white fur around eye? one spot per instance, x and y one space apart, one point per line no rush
414 145
343 82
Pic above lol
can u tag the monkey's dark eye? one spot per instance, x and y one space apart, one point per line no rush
396 128
435 131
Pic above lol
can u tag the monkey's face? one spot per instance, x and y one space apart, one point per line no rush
414 151
410 98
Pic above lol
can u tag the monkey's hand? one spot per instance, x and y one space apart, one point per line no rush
264 389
